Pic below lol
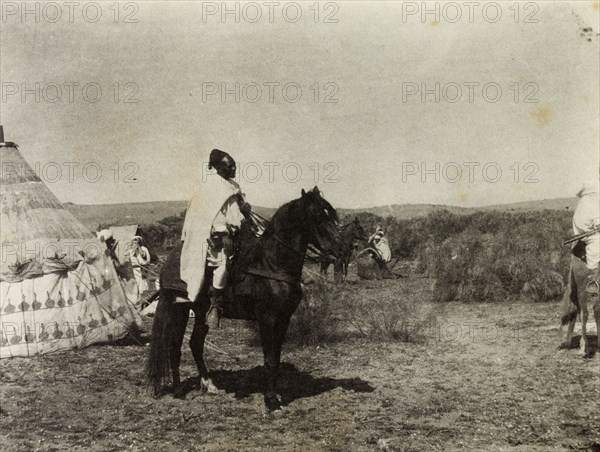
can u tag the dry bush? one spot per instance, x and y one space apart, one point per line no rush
387 315
521 258
316 321
331 313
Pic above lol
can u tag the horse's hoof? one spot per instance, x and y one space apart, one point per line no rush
179 393
209 387
588 355
272 404
563 346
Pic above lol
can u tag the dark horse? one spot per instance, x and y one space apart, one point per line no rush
266 288
350 234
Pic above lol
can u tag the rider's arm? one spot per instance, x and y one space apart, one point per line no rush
233 215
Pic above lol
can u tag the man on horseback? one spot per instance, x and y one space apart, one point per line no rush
380 243
586 219
213 217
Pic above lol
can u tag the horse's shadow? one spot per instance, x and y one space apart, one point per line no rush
292 383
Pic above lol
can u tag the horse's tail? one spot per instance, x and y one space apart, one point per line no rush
569 316
571 300
158 366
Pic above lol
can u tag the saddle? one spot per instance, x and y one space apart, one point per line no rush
578 250
239 285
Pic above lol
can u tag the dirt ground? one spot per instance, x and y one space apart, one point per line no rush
488 377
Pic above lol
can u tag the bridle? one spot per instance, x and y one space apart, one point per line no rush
275 237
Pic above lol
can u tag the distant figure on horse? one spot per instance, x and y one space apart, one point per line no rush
352 236
380 243
584 271
372 262
263 282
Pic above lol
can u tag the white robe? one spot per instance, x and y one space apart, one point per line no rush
383 247
202 211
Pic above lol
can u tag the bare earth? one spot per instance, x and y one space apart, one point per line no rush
488 377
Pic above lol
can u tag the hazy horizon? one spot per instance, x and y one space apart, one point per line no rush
338 206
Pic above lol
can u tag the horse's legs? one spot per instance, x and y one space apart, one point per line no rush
569 335
266 326
346 265
197 346
324 267
571 300
597 318
586 297
180 318
584 347
281 327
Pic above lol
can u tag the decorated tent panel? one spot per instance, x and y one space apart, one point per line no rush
58 287
64 310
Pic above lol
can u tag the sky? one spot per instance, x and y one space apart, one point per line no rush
374 102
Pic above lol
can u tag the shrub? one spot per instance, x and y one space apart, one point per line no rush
386 315
521 256
316 321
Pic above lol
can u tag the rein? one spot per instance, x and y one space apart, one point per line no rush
277 239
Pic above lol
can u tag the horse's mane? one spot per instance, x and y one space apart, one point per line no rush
281 217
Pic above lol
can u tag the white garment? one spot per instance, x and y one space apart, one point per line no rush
204 208
587 218
139 256
384 249
228 219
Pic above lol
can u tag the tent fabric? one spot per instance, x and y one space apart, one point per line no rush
125 234
34 226
72 309
58 287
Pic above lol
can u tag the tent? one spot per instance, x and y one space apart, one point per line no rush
58 288
125 234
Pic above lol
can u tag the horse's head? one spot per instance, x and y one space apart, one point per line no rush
359 232
320 220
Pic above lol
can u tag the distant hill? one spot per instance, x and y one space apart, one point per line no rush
150 212
121 214
93 215
550 204
401 211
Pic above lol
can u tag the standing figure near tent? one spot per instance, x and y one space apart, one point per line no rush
139 257
119 254
214 215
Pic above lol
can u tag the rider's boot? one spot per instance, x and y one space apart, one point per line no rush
213 316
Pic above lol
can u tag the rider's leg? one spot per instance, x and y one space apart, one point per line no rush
213 317
592 253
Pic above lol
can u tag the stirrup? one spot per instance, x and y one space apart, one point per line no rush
592 288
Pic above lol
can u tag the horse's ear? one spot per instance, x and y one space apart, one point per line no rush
303 193
316 190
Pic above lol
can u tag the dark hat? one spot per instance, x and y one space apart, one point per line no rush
216 156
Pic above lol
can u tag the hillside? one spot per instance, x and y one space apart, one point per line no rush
550 204
149 212
93 215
